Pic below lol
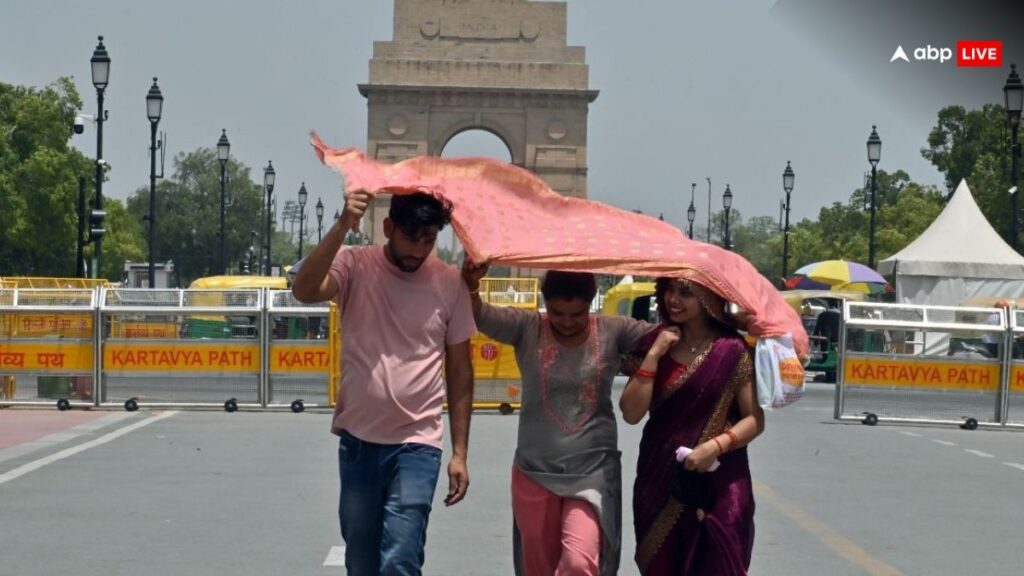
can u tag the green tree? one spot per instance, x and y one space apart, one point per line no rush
188 216
904 210
38 179
974 145
123 241
760 241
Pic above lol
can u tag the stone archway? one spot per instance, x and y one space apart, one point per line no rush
497 65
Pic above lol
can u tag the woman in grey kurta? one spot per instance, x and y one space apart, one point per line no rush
568 443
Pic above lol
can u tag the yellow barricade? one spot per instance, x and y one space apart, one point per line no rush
334 348
300 357
193 356
45 356
924 374
497 375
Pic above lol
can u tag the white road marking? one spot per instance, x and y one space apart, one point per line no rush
978 453
1014 465
62 436
37 464
944 443
336 557
911 434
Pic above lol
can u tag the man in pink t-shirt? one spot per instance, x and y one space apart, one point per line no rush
406 316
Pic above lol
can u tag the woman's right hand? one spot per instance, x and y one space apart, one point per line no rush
472 273
665 340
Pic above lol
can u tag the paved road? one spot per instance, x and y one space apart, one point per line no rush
165 493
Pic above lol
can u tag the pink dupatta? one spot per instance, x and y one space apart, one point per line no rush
506 215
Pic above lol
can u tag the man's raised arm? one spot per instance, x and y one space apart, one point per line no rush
312 282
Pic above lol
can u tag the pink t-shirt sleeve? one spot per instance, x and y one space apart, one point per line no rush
461 327
341 272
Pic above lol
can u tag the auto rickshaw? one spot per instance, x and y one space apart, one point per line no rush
226 326
632 299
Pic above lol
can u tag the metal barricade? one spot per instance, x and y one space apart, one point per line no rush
889 370
512 292
299 356
181 347
46 346
1013 405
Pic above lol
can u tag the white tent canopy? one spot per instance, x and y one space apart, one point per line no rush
960 256
960 243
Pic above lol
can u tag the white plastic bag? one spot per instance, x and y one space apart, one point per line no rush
780 374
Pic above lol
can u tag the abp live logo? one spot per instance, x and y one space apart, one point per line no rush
969 54
979 53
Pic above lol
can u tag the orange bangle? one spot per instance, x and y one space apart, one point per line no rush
732 439
719 444
641 373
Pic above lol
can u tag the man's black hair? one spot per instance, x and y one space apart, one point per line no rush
414 213
568 285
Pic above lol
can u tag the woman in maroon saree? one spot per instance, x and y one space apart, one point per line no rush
695 378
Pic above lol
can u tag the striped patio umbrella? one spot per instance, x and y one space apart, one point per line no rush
838 275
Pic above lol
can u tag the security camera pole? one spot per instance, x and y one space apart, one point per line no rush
100 77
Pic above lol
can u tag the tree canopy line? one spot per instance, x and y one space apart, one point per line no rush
39 173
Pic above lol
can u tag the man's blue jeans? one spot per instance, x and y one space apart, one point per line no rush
386 496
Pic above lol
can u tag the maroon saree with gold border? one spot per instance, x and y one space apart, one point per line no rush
692 404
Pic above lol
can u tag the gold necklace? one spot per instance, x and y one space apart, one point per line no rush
693 349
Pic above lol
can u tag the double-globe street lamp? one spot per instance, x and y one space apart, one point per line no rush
787 184
100 78
691 212
874 155
302 215
1013 96
268 184
223 152
154 109
727 204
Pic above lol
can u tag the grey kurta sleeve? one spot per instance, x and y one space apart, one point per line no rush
506 325
631 332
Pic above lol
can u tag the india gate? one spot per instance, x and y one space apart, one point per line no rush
502 66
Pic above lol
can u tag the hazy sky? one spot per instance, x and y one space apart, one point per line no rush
688 90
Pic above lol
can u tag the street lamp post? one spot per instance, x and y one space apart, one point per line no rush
268 183
100 78
727 204
223 151
1013 94
691 212
708 178
787 184
302 215
251 254
319 220
154 109
874 155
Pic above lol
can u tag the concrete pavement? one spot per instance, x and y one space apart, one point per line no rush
256 493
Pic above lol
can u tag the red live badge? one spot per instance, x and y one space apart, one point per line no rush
979 53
